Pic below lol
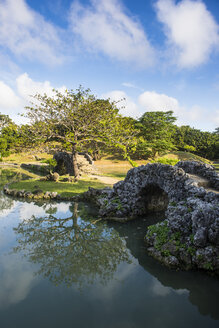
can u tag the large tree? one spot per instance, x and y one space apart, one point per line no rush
155 132
75 119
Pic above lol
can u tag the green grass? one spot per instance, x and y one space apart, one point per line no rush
185 156
216 165
19 171
25 157
115 174
65 189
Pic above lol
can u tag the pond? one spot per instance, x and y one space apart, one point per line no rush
60 266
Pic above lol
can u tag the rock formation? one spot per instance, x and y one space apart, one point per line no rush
65 163
188 236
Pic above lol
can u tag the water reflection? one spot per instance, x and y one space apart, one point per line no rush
65 243
203 290
71 250
16 278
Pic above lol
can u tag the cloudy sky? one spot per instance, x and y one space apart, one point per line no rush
158 54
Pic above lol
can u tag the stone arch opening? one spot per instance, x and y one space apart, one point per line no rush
153 199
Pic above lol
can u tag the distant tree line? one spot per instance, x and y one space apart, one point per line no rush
78 121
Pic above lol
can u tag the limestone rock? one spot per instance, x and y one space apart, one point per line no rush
192 212
65 163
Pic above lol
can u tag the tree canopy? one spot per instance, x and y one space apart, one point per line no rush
155 132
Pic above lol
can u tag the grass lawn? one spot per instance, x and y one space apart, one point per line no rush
216 165
26 157
65 189
115 168
185 156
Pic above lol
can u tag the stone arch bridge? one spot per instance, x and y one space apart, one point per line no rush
188 234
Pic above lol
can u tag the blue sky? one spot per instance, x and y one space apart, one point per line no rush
158 54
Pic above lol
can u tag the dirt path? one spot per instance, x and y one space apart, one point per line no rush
202 182
107 180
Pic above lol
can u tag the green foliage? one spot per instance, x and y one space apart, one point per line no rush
200 257
80 121
208 266
117 201
205 144
189 148
168 161
162 235
191 251
3 148
156 130
133 164
8 135
161 232
51 161
124 139
5 120
192 238
173 204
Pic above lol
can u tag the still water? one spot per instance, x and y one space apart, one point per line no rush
62 267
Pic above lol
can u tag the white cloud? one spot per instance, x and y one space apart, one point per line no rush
105 27
129 85
152 101
8 98
126 107
26 210
158 289
216 118
26 33
26 87
17 280
13 101
195 115
191 30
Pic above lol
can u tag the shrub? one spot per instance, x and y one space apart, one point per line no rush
51 161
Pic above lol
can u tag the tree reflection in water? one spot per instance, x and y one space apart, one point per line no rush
72 250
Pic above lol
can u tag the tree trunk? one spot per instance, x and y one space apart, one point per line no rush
74 161
95 155
75 222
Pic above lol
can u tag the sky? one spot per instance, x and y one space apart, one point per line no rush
159 55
